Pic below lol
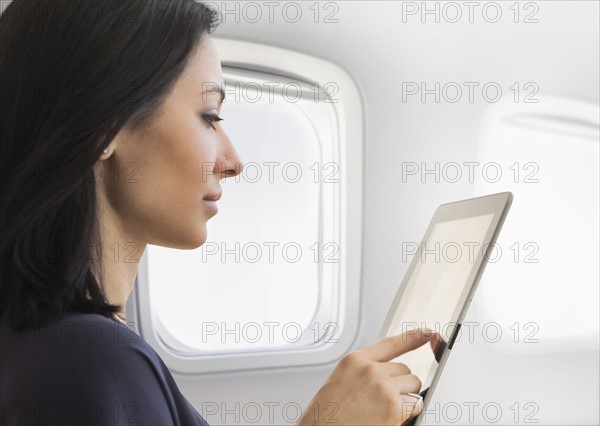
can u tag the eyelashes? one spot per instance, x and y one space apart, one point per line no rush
211 119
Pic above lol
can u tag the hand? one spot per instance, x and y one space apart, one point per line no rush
366 389
438 345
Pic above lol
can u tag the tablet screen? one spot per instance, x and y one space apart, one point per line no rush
438 287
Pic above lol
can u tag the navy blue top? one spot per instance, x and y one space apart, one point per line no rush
86 369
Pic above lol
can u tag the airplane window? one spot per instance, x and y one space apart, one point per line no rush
280 269
547 254
262 274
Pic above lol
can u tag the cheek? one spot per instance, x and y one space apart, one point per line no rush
179 148
183 164
170 172
199 156
191 166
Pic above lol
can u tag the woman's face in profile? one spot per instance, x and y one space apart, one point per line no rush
154 180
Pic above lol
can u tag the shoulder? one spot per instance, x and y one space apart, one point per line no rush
92 362
77 340
102 344
91 330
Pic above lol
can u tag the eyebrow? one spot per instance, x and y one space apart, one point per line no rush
219 90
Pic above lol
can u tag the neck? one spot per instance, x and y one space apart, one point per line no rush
120 252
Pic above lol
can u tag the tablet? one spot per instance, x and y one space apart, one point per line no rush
441 281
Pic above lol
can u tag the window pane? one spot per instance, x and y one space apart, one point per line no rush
545 284
257 281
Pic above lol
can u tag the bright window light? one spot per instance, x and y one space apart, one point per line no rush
543 287
268 270
277 282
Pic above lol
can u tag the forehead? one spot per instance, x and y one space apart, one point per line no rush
204 67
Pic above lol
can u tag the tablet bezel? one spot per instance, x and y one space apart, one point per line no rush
498 204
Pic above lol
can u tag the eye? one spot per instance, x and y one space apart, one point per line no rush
212 118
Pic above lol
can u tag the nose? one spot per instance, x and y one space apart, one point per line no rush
230 164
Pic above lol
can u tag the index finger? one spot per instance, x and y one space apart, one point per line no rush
390 347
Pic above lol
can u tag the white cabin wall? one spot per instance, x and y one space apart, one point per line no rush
370 41
560 54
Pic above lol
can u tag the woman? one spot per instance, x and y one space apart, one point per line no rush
109 141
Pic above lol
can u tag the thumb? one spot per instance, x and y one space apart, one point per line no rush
391 347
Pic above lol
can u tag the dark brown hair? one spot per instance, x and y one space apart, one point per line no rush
72 75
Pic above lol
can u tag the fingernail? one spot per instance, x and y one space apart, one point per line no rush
427 331
419 404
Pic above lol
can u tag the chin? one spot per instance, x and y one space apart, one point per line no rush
193 240
187 236
200 235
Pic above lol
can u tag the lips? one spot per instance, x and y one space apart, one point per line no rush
214 197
